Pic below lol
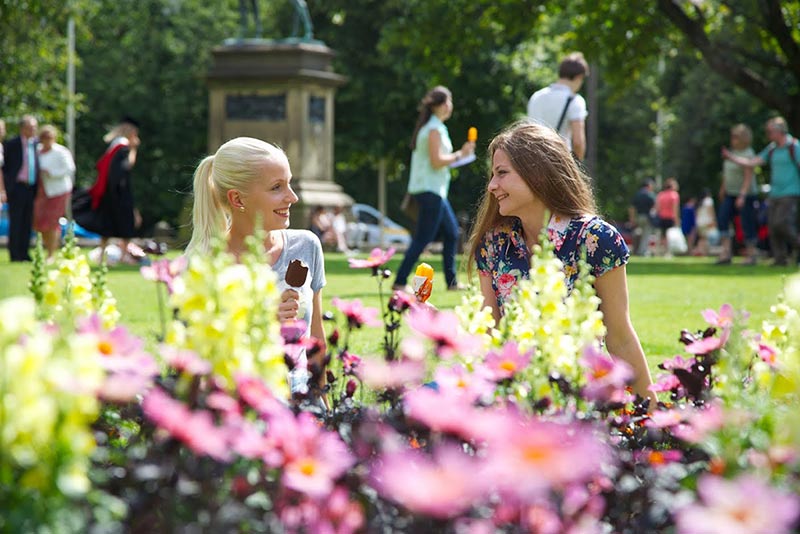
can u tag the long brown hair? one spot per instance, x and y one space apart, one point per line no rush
435 97
541 158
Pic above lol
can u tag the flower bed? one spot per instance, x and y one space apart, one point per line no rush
461 426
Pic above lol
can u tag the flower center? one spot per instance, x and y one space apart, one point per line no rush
308 467
105 348
508 365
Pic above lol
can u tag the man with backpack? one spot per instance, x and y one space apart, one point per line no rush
560 107
782 155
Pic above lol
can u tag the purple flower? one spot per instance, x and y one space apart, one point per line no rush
293 330
606 377
444 485
508 362
350 362
442 329
745 505
357 315
376 258
709 344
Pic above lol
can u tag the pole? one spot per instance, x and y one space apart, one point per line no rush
382 195
70 95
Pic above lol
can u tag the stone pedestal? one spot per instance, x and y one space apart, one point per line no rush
283 93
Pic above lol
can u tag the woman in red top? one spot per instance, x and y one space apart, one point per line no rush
668 211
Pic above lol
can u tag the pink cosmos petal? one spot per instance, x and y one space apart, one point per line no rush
376 258
723 319
123 387
508 362
165 270
705 345
456 380
700 422
678 362
606 377
441 327
258 396
537 455
767 354
665 418
665 382
185 361
442 486
745 505
357 315
379 374
314 457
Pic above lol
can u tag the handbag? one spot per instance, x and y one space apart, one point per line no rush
410 207
676 241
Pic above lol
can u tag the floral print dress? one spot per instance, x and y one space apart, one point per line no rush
504 255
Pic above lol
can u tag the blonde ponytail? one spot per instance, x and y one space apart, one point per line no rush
208 215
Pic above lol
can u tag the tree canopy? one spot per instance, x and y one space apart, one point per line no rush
684 71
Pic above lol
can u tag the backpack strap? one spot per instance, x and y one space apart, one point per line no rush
791 146
564 112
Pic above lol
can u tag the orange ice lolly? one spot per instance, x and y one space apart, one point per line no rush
423 282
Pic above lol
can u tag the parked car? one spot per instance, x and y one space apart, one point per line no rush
364 231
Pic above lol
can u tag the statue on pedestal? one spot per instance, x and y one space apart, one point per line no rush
301 16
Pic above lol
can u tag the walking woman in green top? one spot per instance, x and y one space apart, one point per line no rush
429 183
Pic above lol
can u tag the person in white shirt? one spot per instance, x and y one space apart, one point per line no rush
57 172
560 107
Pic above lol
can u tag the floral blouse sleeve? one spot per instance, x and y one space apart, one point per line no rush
605 247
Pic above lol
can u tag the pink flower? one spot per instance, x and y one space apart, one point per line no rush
444 485
709 344
313 457
700 422
606 377
293 330
116 342
256 394
438 411
357 315
442 329
745 505
533 456
195 429
165 270
185 361
508 362
723 319
376 258
767 354
350 362
677 362
400 301
658 459
457 381
665 419
124 387
379 374
665 382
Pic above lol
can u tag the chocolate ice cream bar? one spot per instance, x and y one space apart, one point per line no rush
296 273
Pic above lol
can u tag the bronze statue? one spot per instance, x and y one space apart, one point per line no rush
301 16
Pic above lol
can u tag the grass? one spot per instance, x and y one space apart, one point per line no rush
665 295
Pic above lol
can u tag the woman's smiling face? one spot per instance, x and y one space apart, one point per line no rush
514 196
272 195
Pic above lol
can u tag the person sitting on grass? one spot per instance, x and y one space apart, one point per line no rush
534 174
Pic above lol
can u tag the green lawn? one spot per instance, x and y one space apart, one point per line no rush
665 295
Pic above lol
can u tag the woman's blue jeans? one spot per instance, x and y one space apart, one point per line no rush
435 212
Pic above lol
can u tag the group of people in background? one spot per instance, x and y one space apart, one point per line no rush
739 205
38 176
330 226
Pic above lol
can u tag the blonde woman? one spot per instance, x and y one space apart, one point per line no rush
248 181
57 170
